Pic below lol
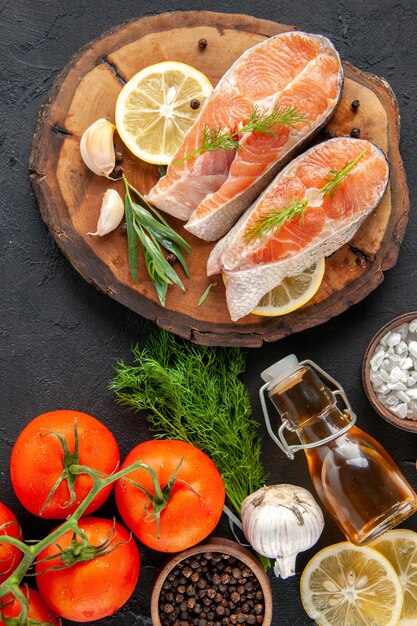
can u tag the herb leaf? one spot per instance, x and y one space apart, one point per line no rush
132 240
195 394
260 121
271 221
147 226
206 293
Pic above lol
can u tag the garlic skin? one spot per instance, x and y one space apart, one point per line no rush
111 213
279 521
97 148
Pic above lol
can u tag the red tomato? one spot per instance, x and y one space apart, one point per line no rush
10 556
92 589
37 608
196 501
37 462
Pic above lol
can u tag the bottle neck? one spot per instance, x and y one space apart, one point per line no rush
308 405
330 422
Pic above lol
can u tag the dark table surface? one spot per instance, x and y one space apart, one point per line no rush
60 338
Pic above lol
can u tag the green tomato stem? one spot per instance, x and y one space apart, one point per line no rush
11 585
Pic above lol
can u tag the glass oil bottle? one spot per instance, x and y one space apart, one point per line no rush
355 478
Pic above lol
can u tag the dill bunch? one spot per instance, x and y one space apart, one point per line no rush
194 393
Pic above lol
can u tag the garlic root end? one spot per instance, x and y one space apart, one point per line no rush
285 566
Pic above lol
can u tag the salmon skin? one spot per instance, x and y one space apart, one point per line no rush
212 189
253 267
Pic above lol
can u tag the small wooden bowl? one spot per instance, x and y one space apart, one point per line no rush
389 416
225 546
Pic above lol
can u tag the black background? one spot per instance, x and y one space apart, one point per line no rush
60 338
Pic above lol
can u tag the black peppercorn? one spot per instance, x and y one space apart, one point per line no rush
211 589
355 105
202 43
117 172
119 156
195 104
355 132
171 258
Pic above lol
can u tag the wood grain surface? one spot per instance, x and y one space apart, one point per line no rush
69 195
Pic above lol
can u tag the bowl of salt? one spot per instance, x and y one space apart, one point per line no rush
389 371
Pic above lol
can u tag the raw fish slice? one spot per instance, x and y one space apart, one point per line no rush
253 269
291 69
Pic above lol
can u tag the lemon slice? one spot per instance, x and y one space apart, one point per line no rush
400 548
292 293
153 110
348 585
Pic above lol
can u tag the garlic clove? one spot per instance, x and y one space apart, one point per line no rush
111 213
97 148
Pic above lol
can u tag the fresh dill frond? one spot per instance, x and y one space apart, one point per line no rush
195 394
272 221
260 121
264 122
339 176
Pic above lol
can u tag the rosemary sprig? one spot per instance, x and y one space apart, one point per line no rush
273 220
260 121
145 225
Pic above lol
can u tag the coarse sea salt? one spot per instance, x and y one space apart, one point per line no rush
393 372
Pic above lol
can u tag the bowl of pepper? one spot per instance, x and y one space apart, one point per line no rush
389 371
217 582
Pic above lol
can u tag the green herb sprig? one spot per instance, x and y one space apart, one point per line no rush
195 394
272 221
145 225
260 121
206 293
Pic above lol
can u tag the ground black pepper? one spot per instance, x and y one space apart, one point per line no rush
211 589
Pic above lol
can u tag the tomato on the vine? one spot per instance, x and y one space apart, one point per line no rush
37 608
47 449
10 556
191 502
94 588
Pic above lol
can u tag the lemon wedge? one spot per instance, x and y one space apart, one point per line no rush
157 106
292 293
346 585
400 548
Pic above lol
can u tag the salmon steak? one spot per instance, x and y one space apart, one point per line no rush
213 188
256 256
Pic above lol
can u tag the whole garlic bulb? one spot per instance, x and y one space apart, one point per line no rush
97 148
279 521
111 213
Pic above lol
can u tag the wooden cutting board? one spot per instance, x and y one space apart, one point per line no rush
69 195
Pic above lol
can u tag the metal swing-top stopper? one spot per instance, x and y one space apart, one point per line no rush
277 373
